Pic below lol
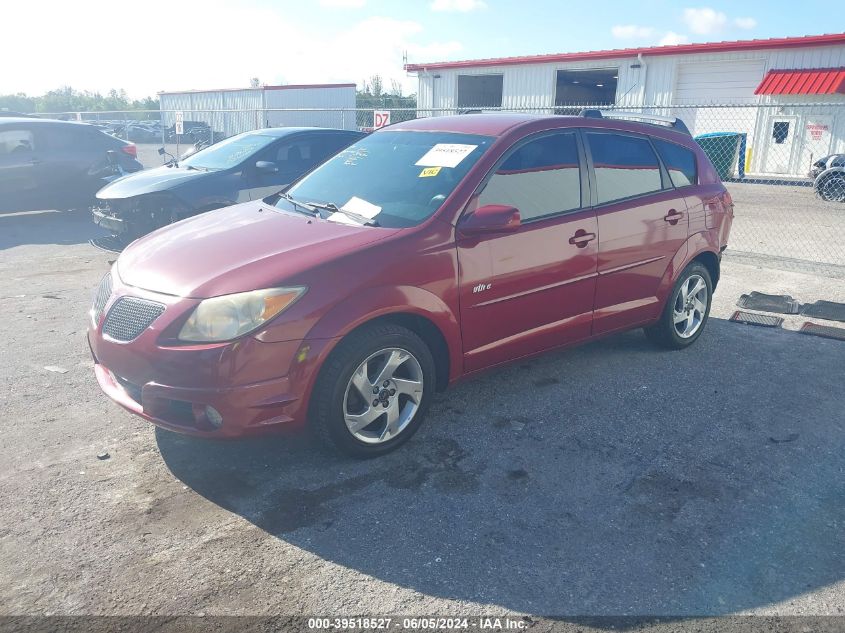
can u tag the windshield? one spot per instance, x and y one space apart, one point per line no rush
228 153
396 178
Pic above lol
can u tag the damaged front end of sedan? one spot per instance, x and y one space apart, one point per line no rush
127 219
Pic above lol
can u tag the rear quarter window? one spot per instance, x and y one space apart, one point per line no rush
59 138
679 161
101 139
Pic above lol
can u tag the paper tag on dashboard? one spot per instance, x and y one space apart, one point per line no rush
343 219
361 207
445 155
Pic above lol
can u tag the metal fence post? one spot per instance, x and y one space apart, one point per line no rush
163 140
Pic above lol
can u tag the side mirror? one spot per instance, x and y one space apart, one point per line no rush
266 167
491 218
161 151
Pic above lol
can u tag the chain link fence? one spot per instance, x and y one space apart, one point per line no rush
778 160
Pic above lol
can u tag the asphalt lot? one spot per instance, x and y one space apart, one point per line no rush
787 221
608 479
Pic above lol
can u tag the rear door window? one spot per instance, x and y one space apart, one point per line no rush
624 166
679 162
540 178
61 138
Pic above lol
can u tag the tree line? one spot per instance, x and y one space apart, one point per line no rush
67 99
371 94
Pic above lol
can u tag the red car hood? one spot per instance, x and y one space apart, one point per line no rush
239 248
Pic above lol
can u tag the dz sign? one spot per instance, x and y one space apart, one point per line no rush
381 118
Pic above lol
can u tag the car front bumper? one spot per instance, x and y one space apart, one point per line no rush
109 222
254 387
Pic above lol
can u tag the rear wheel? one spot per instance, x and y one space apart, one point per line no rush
686 311
373 391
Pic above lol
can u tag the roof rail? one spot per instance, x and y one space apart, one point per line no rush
654 119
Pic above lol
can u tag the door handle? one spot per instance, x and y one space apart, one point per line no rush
582 238
673 216
35 161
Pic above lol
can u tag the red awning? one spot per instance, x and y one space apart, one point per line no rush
810 81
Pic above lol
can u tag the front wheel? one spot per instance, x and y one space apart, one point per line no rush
686 311
373 391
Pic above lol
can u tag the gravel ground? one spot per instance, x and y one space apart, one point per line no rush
608 479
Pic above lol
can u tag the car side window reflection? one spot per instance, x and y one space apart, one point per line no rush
625 166
16 142
291 153
540 178
679 161
295 157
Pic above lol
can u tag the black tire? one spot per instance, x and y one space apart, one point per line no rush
326 410
664 333
831 188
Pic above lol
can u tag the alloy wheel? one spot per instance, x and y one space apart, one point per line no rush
383 395
690 306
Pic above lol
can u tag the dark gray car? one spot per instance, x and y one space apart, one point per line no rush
50 164
245 167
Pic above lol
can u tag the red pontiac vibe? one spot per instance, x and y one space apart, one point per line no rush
422 254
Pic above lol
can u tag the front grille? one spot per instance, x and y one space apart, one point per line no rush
129 316
102 297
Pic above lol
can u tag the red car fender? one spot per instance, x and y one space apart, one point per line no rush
696 244
381 301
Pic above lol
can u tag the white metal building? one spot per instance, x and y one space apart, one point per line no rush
232 111
804 71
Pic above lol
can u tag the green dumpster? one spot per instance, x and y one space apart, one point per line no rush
721 148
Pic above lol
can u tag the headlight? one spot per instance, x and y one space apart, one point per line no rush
227 317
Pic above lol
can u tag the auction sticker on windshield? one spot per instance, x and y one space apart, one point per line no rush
445 155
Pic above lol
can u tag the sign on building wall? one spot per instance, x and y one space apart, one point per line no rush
817 140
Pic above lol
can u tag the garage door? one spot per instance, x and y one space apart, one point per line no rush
718 82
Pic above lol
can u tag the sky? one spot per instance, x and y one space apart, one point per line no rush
146 47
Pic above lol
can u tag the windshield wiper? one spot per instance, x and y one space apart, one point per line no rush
330 206
302 207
